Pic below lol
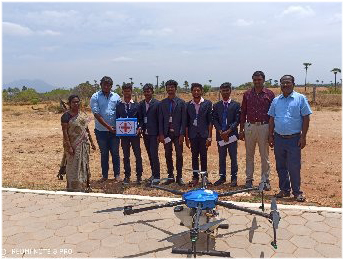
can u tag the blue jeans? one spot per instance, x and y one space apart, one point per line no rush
108 142
232 150
288 163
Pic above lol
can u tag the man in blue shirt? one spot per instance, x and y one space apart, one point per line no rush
103 105
288 126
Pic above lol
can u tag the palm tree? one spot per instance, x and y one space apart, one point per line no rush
317 81
131 80
335 71
270 80
276 82
306 64
322 82
210 80
157 82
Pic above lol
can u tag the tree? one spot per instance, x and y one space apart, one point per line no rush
24 88
157 82
96 86
276 83
186 85
206 88
210 80
306 64
335 71
317 81
84 91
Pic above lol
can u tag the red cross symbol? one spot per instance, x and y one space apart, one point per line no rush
126 127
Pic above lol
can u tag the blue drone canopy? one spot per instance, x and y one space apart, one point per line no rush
207 198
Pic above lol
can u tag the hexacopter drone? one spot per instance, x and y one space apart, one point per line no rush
200 214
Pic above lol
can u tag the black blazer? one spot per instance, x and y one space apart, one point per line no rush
233 118
203 121
132 113
178 116
152 115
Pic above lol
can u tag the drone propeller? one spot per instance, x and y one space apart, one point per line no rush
275 217
176 192
203 227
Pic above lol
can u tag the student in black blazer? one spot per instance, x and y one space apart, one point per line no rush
226 118
198 129
127 108
172 121
148 116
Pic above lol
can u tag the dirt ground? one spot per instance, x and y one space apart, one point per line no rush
32 151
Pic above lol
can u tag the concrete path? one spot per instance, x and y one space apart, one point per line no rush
93 225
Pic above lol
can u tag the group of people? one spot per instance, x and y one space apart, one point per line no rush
281 122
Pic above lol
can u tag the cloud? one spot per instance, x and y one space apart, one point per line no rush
298 10
156 32
122 59
19 30
16 29
57 14
243 22
336 18
50 48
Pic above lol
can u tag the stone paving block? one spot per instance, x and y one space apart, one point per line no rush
324 238
282 255
329 214
239 220
306 253
313 216
66 231
108 223
157 234
79 221
41 213
239 253
61 210
122 230
98 205
237 242
42 234
19 238
52 242
303 241
149 245
112 241
141 227
11 230
65 249
318 226
284 246
283 233
295 220
76 238
328 250
334 222
87 246
69 215
283 223
99 233
100 217
128 250
88 227
259 238
78 255
102 252
135 238
219 245
261 251
299 230
292 212
87 212
32 208
32 243
57 224
12 211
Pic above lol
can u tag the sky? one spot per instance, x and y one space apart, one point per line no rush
68 43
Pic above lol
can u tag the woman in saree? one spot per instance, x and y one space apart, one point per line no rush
76 143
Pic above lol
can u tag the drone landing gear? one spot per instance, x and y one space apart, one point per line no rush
209 252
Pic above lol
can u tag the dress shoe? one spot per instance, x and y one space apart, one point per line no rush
220 181
138 180
117 178
248 184
168 181
180 182
282 194
126 181
300 198
103 179
234 183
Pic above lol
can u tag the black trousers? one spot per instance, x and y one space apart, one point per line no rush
134 142
152 147
198 149
179 155
232 150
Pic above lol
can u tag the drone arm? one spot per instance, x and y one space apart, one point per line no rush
176 192
251 211
230 193
128 210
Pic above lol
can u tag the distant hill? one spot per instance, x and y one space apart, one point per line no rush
38 84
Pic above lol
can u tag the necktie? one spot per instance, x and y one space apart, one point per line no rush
224 117
127 109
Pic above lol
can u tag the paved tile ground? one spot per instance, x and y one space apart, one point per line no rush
40 225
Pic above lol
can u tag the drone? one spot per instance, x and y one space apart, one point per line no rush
200 214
